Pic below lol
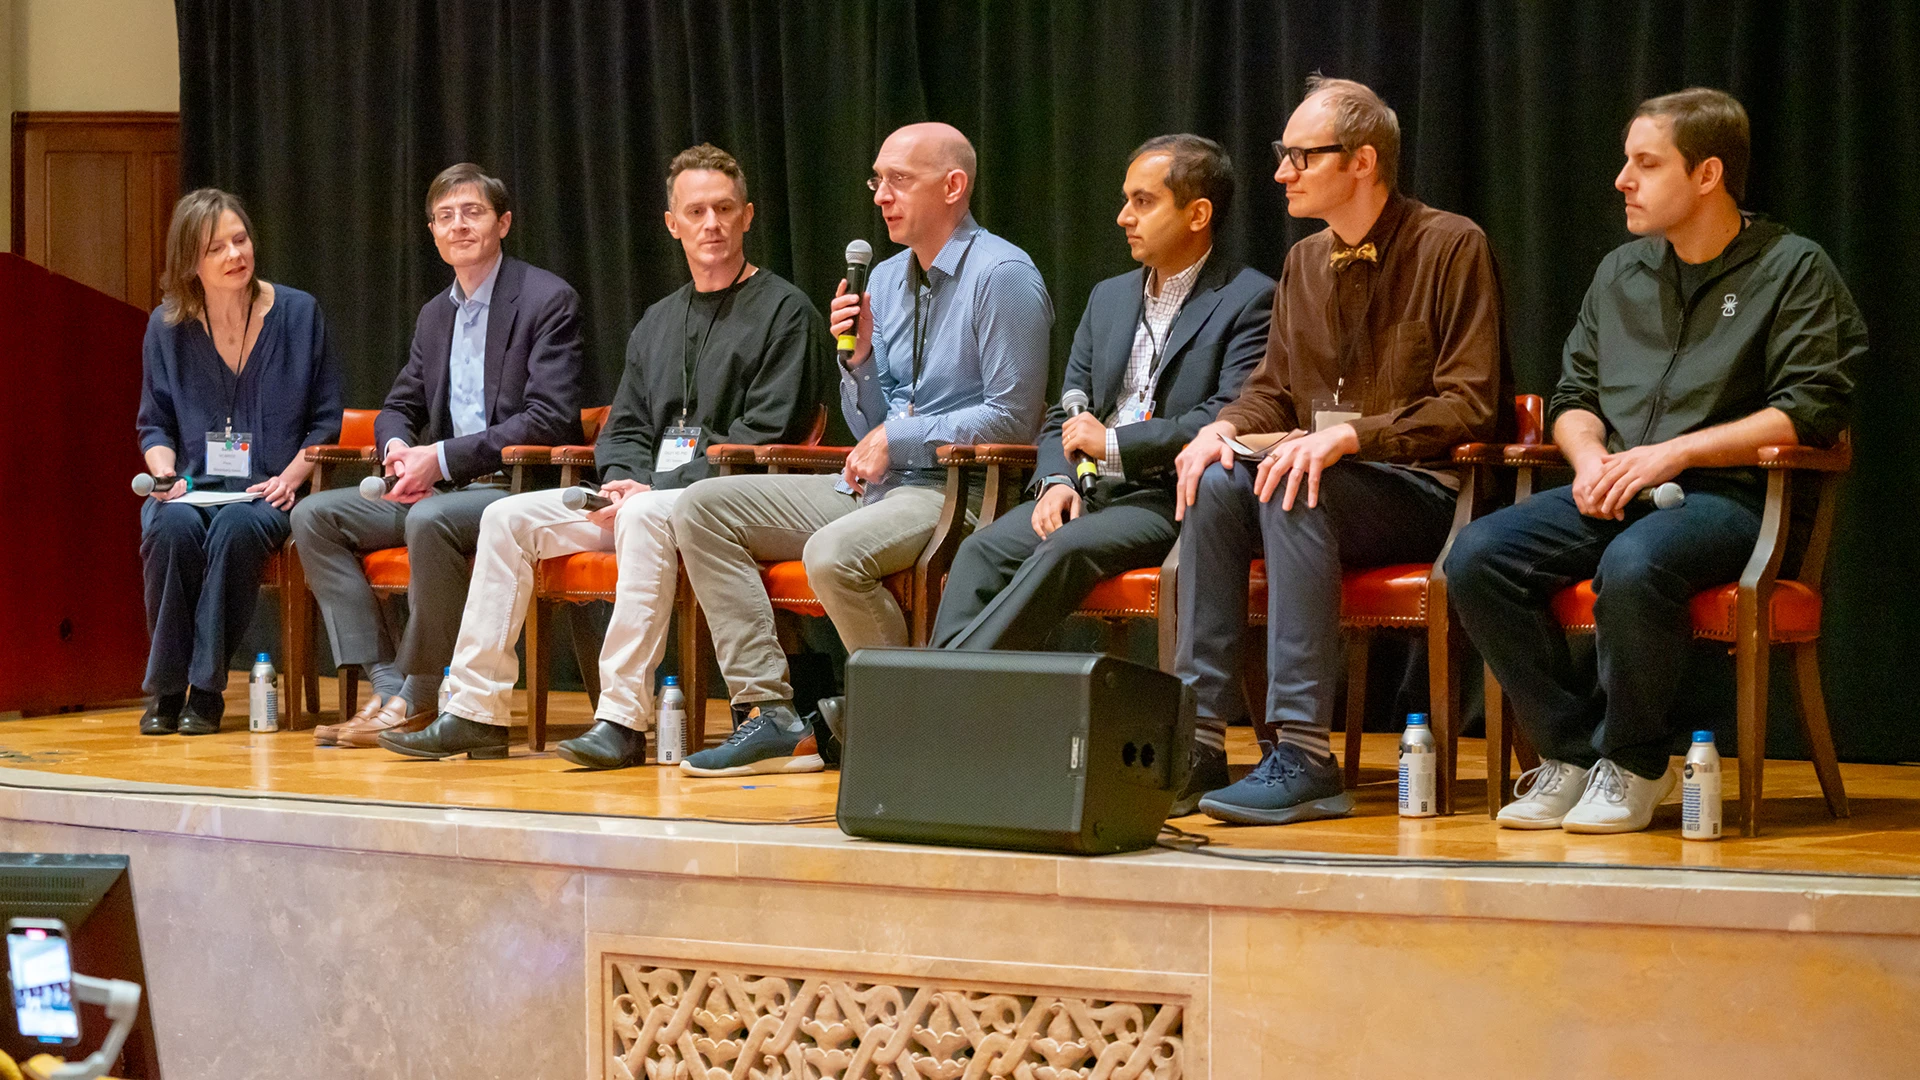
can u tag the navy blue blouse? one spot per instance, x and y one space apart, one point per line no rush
287 396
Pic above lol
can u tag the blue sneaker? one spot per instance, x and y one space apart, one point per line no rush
1286 786
772 740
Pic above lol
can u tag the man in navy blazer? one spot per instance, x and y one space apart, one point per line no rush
1158 352
495 362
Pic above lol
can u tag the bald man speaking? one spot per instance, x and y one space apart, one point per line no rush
952 348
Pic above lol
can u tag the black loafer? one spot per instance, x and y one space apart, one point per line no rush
204 711
605 745
447 737
1208 772
163 714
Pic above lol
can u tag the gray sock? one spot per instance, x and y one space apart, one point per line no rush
768 706
1210 732
421 691
386 679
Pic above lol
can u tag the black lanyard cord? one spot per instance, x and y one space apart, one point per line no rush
915 275
246 323
693 360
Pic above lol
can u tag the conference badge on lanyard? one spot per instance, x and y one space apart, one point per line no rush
1136 408
229 453
676 448
1328 412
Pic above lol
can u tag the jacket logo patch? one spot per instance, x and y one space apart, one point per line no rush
1729 305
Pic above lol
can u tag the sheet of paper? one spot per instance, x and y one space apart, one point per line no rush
1255 447
216 498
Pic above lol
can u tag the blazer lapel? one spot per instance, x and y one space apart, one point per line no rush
438 373
1194 314
1110 369
501 312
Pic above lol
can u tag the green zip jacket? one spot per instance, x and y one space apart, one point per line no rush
1770 324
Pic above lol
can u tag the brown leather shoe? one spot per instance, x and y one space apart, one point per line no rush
329 734
393 716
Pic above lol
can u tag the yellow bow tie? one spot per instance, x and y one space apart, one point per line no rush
1341 257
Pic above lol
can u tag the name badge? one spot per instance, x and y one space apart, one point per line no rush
229 453
676 448
1329 412
1135 409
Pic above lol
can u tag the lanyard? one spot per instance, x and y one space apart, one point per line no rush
920 332
1159 348
233 396
693 360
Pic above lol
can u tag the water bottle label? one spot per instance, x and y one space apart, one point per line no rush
1418 785
1700 808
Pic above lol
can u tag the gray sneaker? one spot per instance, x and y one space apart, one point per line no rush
1286 786
770 741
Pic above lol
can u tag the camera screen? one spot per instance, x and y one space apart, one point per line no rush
42 975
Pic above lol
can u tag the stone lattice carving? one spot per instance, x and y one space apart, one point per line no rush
674 1023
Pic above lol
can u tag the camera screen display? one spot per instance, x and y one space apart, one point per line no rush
42 976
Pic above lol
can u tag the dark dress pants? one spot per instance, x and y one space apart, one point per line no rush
1009 589
1505 568
334 528
1369 514
202 567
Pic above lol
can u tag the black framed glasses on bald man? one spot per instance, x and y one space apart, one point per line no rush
1300 155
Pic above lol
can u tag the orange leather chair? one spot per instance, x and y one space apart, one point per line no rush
1752 615
387 569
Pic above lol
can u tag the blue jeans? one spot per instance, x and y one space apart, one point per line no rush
202 567
1370 514
1505 568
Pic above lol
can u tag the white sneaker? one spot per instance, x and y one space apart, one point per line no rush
1543 795
1618 800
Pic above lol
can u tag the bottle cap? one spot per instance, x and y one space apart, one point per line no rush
261 659
447 671
673 680
1703 736
1416 719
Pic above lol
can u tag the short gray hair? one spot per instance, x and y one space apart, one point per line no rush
1360 119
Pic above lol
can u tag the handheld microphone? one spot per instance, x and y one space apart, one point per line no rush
1663 497
579 498
859 258
1086 471
145 485
373 487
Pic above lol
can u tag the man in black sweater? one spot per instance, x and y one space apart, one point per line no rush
738 355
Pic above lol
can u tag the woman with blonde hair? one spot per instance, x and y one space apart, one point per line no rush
237 377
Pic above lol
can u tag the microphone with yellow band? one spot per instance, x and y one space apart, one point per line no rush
1086 471
859 258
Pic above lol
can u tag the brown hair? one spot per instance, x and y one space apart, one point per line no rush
711 157
1360 119
1200 169
458 176
194 218
1706 124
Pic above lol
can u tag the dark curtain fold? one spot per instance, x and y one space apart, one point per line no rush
330 116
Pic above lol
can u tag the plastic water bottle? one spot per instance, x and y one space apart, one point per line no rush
671 730
263 696
1700 790
1419 769
446 689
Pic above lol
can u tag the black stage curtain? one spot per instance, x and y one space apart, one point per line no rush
330 116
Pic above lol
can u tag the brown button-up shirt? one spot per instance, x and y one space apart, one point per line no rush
1427 374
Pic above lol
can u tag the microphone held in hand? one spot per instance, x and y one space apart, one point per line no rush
1664 496
374 487
579 498
145 485
1086 471
859 258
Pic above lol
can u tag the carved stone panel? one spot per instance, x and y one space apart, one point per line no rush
671 1022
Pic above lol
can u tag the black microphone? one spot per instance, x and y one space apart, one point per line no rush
373 487
145 485
1086 471
579 498
1664 497
859 258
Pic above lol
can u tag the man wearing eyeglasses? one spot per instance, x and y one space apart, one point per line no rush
1386 350
495 362
949 346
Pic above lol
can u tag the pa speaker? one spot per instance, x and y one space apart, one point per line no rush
1044 751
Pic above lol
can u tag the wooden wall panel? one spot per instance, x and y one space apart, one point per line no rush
93 193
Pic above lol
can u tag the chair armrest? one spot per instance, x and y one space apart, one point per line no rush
1480 453
526 455
802 457
1018 455
1520 454
730 454
1835 460
580 457
328 452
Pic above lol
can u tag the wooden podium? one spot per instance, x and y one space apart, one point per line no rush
72 622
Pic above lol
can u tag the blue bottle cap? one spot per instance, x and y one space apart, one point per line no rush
1703 736
447 671
1416 719
261 659
673 680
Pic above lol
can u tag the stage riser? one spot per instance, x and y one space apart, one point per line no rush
288 961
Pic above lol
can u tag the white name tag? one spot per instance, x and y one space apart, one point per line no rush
676 448
1133 410
1330 417
229 454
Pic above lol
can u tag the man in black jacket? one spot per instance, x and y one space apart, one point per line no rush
1158 352
495 362
738 355
1714 334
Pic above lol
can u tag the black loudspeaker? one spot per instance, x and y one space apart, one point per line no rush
1043 751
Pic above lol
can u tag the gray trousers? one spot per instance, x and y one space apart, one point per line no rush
726 526
335 528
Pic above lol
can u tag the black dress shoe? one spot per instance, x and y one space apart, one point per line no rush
203 713
163 714
605 745
448 736
829 724
1207 772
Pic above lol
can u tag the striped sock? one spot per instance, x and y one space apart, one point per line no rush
1210 732
1310 739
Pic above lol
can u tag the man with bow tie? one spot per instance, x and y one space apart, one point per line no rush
1387 349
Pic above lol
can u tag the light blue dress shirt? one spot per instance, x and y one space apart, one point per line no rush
985 317
467 363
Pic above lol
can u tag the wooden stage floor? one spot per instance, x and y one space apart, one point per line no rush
1882 837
